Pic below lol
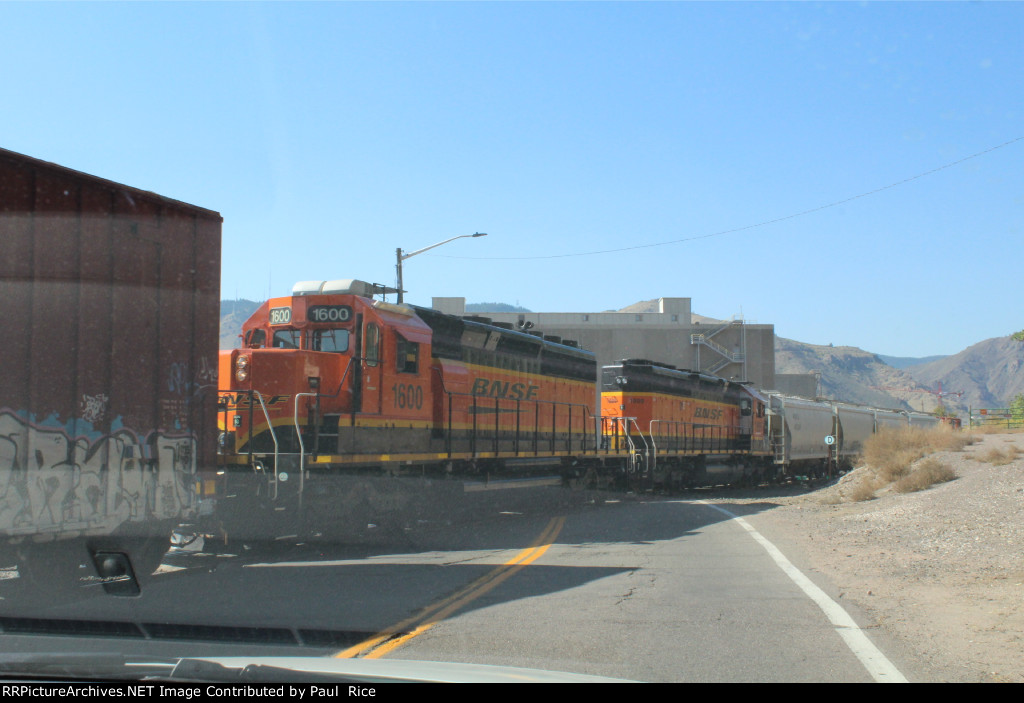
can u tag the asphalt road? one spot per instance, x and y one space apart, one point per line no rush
649 590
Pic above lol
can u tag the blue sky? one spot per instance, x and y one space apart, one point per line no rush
329 134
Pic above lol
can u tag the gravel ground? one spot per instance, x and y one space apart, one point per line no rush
941 569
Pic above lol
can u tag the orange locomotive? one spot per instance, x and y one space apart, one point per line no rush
336 399
688 428
330 384
346 380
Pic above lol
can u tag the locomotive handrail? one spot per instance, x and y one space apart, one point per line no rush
722 438
627 435
302 446
653 463
341 383
270 427
316 431
518 432
647 449
273 434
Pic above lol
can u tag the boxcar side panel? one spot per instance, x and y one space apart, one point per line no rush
110 297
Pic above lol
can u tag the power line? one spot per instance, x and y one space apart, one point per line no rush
747 227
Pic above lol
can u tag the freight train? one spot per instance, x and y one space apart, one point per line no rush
338 407
334 397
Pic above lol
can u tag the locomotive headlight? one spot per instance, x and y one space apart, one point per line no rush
242 367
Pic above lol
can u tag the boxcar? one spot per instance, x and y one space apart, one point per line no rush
110 299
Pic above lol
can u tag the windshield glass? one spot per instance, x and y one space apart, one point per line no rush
286 339
624 287
329 340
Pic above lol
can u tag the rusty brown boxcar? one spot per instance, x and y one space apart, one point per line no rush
110 309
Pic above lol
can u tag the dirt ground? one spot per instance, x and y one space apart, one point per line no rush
940 569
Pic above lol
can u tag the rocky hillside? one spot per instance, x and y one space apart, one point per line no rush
902 362
232 314
990 373
849 373
494 307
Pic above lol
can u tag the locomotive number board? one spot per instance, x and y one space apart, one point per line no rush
329 313
280 316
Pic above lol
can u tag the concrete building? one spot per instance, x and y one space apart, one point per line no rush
731 349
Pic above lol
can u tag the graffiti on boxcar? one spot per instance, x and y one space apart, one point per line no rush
61 478
94 407
207 371
181 382
188 390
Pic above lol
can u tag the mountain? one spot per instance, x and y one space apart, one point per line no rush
639 308
903 362
851 374
232 314
990 373
494 307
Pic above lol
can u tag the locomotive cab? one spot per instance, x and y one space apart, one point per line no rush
318 363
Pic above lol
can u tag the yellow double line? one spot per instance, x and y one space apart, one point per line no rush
399 634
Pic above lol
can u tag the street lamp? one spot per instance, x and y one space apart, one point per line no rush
402 257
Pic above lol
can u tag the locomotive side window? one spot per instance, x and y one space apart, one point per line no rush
372 344
407 355
329 340
254 339
286 339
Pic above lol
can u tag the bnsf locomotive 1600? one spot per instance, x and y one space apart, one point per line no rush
334 394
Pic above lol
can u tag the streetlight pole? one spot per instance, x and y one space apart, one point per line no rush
402 257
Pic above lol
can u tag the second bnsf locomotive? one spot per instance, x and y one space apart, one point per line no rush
335 398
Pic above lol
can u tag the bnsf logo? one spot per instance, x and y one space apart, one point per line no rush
497 389
241 400
708 413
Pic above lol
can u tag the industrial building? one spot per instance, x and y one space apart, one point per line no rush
665 331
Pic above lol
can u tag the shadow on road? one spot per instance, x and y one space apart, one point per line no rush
329 593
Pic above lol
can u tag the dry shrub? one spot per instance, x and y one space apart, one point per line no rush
927 473
951 440
863 490
999 457
892 450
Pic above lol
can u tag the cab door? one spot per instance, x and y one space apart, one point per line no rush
371 379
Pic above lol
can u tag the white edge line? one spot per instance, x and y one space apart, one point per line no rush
878 666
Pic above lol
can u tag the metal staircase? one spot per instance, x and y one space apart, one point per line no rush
726 357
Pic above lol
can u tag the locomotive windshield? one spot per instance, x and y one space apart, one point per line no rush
329 340
286 339
325 340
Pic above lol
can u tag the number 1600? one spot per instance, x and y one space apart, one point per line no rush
407 396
